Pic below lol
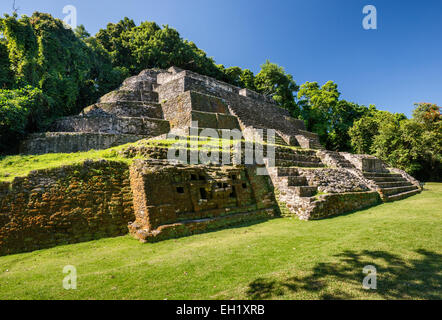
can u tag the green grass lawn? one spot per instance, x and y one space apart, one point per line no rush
279 259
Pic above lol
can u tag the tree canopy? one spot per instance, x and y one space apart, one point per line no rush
48 70
414 145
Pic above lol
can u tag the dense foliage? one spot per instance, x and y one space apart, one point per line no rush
48 70
39 52
414 145
21 110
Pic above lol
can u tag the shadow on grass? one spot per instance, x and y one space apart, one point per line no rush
419 278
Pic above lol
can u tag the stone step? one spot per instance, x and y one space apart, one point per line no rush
214 120
291 163
294 181
316 145
334 159
203 132
388 179
276 142
308 134
68 142
403 195
396 190
127 109
128 95
296 157
135 84
286 171
301 152
370 175
277 138
305 191
112 124
308 143
393 184
339 158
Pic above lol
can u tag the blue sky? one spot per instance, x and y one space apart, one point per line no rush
392 67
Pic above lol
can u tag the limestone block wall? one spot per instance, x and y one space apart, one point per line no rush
172 201
67 142
208 111
65 205
337 203
126 109
251 108
111 124
366 162
252 112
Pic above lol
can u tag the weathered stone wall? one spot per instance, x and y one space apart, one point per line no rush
344 192
170 89
65 205
252 109
132 109
67 142
125 109
172 201
251 112
112 124
208 111
366 162
337 203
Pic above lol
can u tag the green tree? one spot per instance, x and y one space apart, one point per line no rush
366 129
362 134
317 105
273 81
22 46
427 114
413 145
243 78
71 70
149 46
247 79
342 118
6 75
81 32
19 110
114 41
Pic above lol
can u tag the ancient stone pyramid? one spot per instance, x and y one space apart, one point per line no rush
160 199
156 101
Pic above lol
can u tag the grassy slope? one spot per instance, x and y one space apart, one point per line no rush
281 258
21 165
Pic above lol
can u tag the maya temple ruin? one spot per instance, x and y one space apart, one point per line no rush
142 192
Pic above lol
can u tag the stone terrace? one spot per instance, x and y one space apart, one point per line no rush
158 101
161 199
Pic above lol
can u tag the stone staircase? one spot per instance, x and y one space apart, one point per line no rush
334 159
292 182
263 134
392 186
286 157
293 188
308 140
